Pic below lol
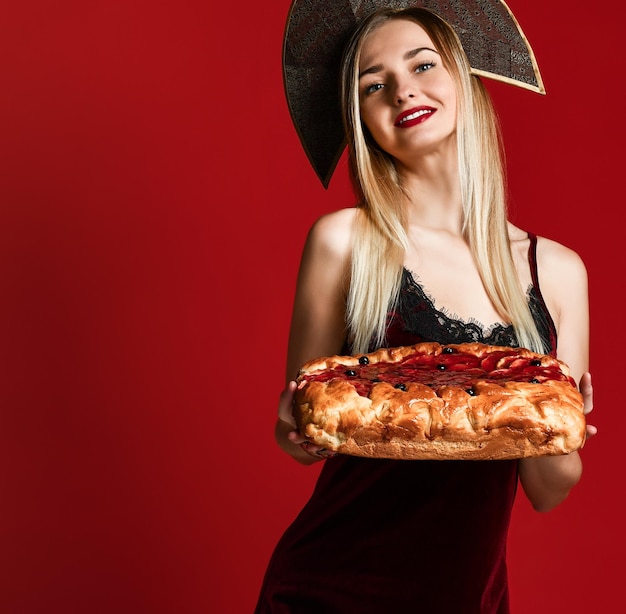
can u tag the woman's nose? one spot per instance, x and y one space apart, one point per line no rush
403 90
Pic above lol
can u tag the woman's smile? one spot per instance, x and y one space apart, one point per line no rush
409 118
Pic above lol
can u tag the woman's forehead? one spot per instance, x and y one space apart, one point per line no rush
395 35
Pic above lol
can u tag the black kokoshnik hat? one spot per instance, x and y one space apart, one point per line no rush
318 30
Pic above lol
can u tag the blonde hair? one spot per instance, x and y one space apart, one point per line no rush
381 239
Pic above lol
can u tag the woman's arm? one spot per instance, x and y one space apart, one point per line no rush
548 480
318 318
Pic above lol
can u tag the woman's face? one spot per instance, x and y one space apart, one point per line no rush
407 97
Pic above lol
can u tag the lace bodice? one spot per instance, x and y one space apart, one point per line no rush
417 316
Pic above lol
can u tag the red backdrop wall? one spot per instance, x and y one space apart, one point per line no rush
153 203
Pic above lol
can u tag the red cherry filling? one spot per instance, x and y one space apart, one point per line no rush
450 368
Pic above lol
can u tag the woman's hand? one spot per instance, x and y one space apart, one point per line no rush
586 389
285 404
287 435
547 480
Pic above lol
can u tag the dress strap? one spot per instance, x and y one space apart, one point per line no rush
534 273
532 261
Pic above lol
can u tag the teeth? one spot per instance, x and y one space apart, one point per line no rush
414 115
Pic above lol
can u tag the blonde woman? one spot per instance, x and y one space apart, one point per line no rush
427 255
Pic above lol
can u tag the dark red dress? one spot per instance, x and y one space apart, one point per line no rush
403 537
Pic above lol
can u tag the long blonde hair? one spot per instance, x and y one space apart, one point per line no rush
381 239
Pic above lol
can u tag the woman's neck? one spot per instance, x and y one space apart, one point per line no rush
433 195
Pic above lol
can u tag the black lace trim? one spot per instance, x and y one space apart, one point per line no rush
416 319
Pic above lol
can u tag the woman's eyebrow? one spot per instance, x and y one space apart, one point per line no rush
411 54
407 56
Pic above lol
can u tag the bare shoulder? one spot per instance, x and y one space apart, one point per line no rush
332 232
558 262
564 286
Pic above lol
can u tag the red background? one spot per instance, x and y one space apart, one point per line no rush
153 203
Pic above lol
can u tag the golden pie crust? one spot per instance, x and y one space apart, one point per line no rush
486 415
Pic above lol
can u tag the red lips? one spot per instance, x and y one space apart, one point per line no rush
414 116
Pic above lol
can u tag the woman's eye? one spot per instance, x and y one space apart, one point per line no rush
370 89
424 66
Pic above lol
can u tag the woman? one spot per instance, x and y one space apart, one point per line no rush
428 255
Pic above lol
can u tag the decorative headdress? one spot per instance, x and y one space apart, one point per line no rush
318 30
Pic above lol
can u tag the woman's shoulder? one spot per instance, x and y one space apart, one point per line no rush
558 260
333 231
340 220
552 257
563 279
